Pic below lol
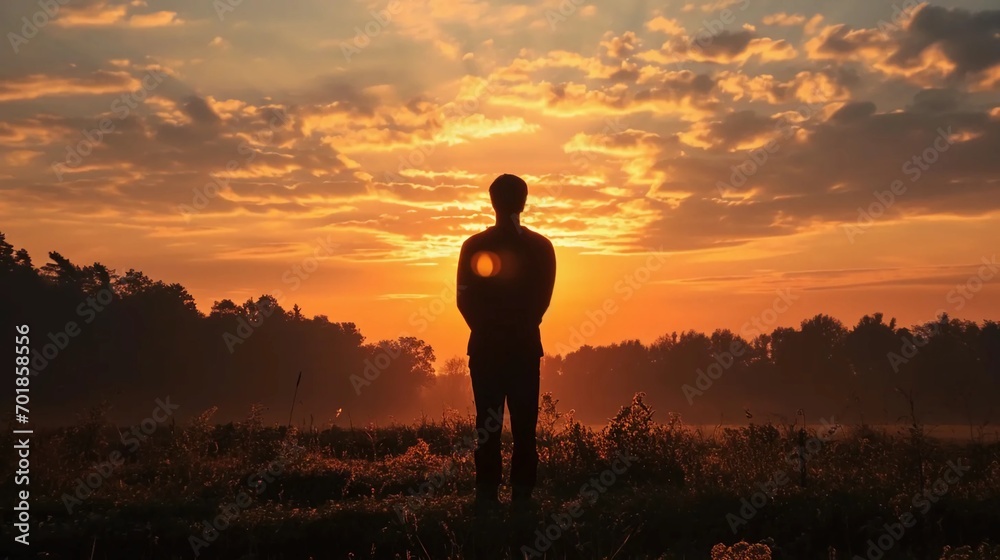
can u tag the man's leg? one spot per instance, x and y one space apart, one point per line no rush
522 400
487 390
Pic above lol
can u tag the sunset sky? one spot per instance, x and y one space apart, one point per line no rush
689 161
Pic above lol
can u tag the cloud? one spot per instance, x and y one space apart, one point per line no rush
841 42
434 22
937 46
724 47
32 132
823 176
19 158
397 158
783 19
741 130
101 13
714 6
621 46
94 13
853 111
35 86
684 93
666 25
525 68
805 86
199 111
988 80
935 101
970 41
154 19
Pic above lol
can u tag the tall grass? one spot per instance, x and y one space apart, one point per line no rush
365 491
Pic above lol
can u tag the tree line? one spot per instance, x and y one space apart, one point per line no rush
123 339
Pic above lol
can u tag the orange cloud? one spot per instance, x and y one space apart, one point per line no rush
430 21
20 158
666 25
734 132
104 14
808 87
988 80
783 19
723 48
620 46
31 133
840 42
684 94
714 6
41 85
99 13
528 64
154 19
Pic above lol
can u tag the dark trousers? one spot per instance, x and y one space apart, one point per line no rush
514 380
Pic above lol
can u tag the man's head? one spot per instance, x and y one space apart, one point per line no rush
508 194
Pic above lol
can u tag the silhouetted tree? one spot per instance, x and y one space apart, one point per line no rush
135 339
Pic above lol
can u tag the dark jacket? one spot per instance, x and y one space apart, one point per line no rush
503 305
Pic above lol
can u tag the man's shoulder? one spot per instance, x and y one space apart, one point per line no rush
492 235
537 239
477 238
482 235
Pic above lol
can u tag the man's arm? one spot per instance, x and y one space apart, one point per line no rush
548 280
467 301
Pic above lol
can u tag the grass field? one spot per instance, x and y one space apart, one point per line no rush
641 487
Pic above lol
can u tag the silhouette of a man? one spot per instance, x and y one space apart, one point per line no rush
505 280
